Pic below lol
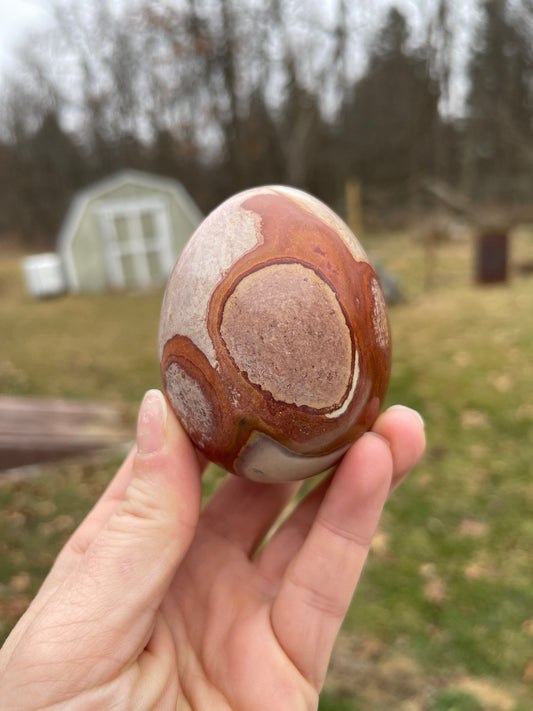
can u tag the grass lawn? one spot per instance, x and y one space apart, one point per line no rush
443 620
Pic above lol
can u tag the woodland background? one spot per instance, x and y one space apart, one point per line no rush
224 95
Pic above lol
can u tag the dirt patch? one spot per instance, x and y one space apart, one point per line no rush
366 668
491 696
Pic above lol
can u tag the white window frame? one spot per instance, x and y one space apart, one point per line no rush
135 245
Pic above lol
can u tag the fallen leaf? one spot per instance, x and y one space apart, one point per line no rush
380 542
528 627
45 508
411 705
474 418
490 696
61 524
428 570
401 674
462 359
525 412
502 383
16 519
64 523
435 591
478 571
528 672
472 528
478 451
372 648
13 609
20 582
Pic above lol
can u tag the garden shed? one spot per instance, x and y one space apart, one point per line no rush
125 232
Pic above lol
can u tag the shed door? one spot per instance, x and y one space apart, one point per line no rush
136 234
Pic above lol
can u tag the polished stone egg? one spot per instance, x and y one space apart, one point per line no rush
274 338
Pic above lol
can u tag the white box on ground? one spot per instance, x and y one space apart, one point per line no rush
43 274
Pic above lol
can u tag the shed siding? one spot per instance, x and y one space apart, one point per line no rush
182 227
88 253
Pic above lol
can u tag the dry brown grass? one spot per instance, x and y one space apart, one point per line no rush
443 617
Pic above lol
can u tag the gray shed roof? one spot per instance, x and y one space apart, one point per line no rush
101 187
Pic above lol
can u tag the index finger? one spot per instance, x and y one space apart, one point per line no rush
319 583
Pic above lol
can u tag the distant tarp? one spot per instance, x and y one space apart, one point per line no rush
34 430
492 256
390 285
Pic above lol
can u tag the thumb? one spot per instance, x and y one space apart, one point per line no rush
112 596
153 527
151 530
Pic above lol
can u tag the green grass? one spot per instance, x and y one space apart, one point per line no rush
444 614
336 702
101 346
455 700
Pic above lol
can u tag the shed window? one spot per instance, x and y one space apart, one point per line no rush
137 240
149 229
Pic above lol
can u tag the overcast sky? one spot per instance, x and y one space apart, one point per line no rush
18 17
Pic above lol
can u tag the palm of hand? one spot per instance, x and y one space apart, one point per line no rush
228 655
255 630
225 603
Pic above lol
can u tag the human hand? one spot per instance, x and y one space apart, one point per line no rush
155 604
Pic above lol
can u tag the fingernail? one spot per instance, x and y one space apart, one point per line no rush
409 409
151 422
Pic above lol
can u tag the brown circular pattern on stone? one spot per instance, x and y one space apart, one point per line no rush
284 329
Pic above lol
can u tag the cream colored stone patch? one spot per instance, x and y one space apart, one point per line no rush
223 237
188 401
379 315
263 459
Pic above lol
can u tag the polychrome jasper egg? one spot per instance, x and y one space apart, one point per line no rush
274 338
